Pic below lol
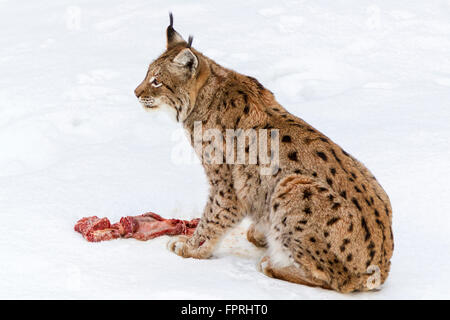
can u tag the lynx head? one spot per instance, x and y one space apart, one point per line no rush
172 80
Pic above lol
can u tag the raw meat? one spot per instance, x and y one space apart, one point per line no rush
144 227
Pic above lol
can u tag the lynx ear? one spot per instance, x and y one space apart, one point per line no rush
186 58
173 37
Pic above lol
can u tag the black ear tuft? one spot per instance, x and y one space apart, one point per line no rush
173 37
190 39
171 19
170 30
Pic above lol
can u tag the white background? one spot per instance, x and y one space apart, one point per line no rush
372 75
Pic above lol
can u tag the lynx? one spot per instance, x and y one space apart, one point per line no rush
322 215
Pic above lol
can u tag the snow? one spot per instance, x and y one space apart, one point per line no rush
372 75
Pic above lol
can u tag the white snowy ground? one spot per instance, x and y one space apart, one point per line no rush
74 142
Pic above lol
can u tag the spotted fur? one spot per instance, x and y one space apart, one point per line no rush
323 216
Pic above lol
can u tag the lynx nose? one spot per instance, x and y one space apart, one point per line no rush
138 91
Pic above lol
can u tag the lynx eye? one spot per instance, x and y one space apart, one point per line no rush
155 82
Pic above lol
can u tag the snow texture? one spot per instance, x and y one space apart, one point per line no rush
372 75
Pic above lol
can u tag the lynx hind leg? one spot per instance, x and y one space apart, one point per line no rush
292 273
256 236
316 230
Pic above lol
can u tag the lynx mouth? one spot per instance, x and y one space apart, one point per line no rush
149 107
148 103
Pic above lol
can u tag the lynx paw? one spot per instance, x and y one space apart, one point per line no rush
181 246
256 237
177 245
264 266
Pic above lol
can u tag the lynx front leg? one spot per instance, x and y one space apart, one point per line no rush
221 214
